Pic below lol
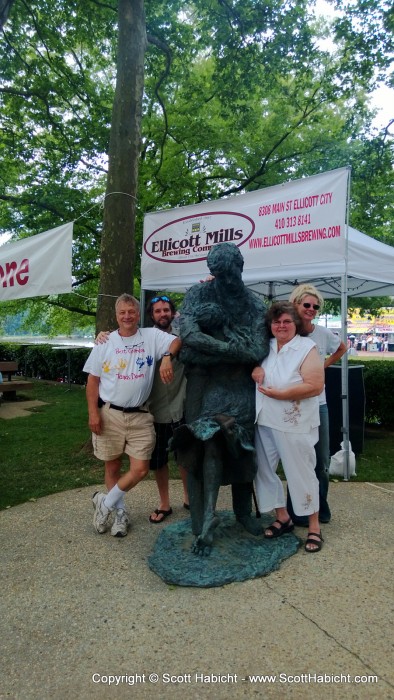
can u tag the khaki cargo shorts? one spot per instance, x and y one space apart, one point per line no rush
130 433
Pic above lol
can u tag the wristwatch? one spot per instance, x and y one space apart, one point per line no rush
168 354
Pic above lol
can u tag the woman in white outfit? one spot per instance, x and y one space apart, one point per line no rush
288 383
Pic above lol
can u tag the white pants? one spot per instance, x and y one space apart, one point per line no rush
297 454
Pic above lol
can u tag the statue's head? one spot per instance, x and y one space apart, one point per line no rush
225 259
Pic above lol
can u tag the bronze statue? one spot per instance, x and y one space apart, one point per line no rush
223 338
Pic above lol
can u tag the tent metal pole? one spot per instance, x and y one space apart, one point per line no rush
344 362
142 305
345 378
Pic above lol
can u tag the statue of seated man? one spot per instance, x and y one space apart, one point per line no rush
223 338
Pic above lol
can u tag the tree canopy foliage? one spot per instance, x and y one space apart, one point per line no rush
238 95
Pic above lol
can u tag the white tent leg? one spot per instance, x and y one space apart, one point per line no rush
142 306
344 362
345 378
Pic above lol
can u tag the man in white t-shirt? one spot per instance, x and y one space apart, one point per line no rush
120 380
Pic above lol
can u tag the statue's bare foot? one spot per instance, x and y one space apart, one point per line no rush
203 543
201 548
251 525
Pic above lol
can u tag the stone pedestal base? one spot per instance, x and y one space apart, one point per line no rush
236 555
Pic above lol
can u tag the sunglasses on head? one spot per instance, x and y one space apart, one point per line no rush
155 299
307 305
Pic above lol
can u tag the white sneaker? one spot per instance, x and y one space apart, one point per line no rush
121 522
101 513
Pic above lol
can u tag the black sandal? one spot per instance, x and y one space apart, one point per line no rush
318 544
164 513
288 526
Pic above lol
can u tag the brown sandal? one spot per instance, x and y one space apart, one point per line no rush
288 526
318 544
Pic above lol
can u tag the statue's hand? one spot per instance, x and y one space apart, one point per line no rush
241 347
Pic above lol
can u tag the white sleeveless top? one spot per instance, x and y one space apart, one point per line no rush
282 369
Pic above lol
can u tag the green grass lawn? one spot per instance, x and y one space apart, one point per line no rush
49 450
376 462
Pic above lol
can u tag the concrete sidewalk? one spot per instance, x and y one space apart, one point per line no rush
77 607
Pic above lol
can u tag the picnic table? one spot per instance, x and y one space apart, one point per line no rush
12 383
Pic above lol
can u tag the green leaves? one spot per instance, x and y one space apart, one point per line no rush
238 95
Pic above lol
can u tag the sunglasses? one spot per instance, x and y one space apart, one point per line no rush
307 305
155 299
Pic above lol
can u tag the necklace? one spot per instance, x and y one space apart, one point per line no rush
134 345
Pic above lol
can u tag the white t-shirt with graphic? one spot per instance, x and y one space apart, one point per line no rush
126 365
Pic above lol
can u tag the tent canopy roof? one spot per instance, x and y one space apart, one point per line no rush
288 234
370 272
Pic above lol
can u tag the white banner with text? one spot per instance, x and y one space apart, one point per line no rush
299 224
38 265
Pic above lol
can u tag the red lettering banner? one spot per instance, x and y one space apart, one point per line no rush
38 265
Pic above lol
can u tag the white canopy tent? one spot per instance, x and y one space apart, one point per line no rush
288 234
370 272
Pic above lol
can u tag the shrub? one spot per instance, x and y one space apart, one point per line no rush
45 362
379 383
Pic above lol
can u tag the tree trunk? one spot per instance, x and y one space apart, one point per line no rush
118 238
5 7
